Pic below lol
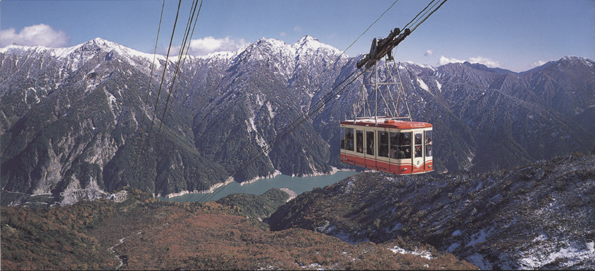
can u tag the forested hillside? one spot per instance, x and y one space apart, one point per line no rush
145 233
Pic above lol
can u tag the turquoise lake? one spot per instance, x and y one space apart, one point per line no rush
297 184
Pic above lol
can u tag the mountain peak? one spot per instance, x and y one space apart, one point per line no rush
570 58
307 38
99 40
576 60
100 43
309 43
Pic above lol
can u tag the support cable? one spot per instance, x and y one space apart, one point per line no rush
319 105
416 16
164 72
142 127
416 26
153 64
181 54
288 129
350 45
307 114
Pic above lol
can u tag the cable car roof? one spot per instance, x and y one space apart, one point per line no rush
387 123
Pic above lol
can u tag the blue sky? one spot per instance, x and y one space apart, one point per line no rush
510 34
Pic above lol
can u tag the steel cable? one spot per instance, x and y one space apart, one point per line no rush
317 106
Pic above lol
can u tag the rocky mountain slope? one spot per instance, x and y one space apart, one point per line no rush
75 121
144 233
540 215
262 90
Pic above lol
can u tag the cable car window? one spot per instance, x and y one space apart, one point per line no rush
404 145
359 140
418 152
383 145
400 145
349 139
428 143
370 143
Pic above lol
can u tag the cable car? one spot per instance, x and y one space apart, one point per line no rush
389 145
397 144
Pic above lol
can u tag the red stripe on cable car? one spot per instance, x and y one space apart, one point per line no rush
391 167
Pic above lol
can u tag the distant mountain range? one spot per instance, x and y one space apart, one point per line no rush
75 121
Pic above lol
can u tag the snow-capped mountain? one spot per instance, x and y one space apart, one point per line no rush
78 118
74 125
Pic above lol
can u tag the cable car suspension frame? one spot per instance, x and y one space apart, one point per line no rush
383 100
381 91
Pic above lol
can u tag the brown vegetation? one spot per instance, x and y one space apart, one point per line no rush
54 238
162 235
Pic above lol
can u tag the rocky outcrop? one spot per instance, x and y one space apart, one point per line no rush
75 193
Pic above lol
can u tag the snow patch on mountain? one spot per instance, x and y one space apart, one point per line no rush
272 113
477 238
423 85
573 255
421 253
439 86
217 55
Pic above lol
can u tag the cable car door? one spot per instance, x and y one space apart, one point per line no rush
418 152
370 149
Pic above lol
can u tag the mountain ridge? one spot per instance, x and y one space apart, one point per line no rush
539 215
80 116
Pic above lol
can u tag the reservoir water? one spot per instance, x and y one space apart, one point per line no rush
297 184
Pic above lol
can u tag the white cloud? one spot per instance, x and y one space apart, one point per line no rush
479 59
485 61
429 52
538 63
209 45
444 60
297 29
40 34
283 34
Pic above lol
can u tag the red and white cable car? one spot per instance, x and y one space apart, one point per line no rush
392 144
395 146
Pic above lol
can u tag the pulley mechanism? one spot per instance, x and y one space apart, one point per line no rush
383 47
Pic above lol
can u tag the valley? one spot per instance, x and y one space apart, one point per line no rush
81 122
90 139
145 233
535 216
